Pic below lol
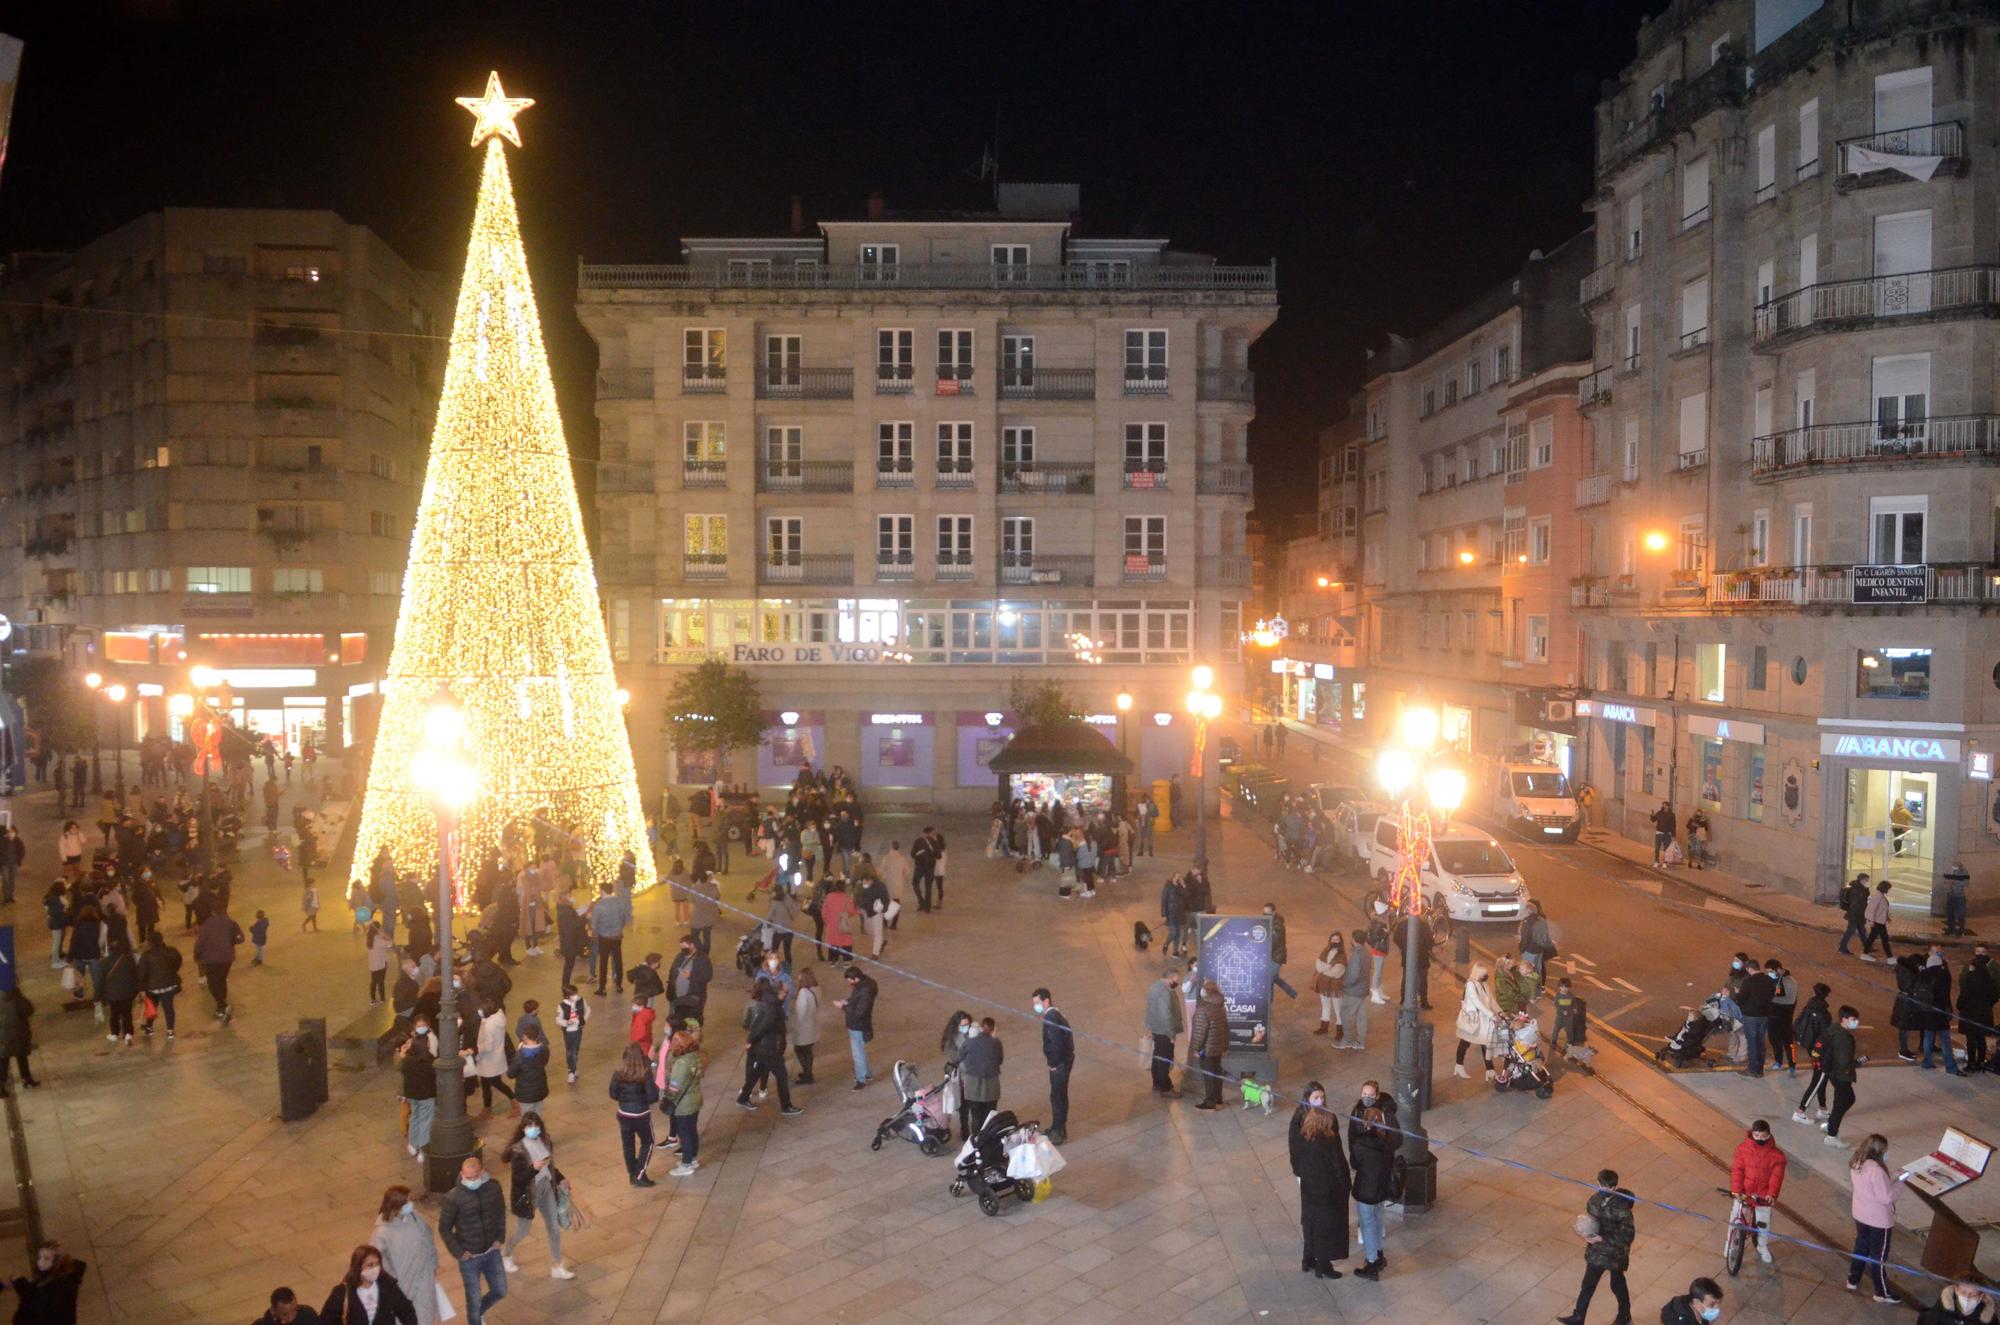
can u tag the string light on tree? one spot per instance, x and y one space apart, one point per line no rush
500 601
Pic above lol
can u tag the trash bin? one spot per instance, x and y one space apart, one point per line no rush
301 1070
1163 796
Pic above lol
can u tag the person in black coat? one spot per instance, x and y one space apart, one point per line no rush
764 1043
687 979
50 1297
1906 1013
348 1303
286 1309
1321 1168
1372 1097
1933 997
1978 991
1371 1147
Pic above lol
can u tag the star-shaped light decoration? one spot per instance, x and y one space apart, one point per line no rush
495 112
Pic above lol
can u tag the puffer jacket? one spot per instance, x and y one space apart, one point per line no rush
1210 1035
633 1098
1757 1170
1373 1155
1615 1230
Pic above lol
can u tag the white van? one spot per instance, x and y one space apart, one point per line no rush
1469 880
1535 801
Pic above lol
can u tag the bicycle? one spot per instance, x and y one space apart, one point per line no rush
1742 1228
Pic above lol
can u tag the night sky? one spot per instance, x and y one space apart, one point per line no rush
1396 159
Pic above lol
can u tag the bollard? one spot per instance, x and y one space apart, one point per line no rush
312 1038
1461 944
297 1095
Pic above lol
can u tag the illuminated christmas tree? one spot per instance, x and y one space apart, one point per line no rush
500 601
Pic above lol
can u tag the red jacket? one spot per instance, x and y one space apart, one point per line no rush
1757 1170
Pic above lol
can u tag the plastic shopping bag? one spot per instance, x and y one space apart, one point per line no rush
1048 1159
1042 1189
950 1097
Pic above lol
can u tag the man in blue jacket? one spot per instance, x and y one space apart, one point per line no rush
1059 1049
609 915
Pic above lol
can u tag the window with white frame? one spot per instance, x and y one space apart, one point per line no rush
1010 262
1694 193
1903 251
1541 443
895 450
895 356
1902 386
1711 671
1514 534
1145 448
1503 363
1017 448
1017 540
1767 164
1758 552
218 579
1538 639
1767 277
895 540
705 539
1541 540
297 579
784 452
1903 100
704 444
1635 233
382 582
1802 534
1760 412
1694 313
878 261
784 540
1146 538
954 451
1017 361
1468 464
1145 358
1694 429
782 356
1628 465
1808 158
703 355
1473 376
954 355
1634 336
1694 544
1805 391
1897 530
954 541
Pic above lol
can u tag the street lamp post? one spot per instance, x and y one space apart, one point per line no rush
115 695
1399 769
1123 700
207 747
442 769
1204 705
95 682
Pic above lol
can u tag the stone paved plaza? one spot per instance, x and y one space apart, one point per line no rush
166 1169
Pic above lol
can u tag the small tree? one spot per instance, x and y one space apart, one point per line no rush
715 707
1042 703
58 704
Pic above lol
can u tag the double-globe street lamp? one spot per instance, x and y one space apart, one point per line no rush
1205 706
1414 762
442 770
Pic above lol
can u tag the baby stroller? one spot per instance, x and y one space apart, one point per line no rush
1686 1044
925 1118
982 1164
750 954
1520 1064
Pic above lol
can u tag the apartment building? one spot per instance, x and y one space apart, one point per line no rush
1317 670
1470 451
1791 508
215 424
893 463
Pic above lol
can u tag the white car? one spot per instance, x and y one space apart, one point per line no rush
1535 801
1469 880
1352 840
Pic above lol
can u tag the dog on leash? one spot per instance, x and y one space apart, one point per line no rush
1256 1094
1142 937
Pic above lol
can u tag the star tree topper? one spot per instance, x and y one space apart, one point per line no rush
495 112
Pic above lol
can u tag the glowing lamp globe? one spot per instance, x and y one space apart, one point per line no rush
1395 770
180 706
1418 728
1446 788
1204 677
1124 702
116 694
203 677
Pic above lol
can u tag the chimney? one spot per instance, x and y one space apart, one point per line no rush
798 215
875 205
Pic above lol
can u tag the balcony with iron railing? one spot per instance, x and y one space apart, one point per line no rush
1869 158
1596 388
1036 568
959 380
1874 443
1603 591
704 379
805 476
806 384
1237 384
1039 383
1593 490
704 473
1227 571
808 568
704 566
1227 479
1149 476
1600 284
1723 83
1849 305
871 277
1145 381
1686 462
1864 587
1049 476
895 476
625 384
1694 338
955 566
1138 568
895 379
895 567
955 477
622 476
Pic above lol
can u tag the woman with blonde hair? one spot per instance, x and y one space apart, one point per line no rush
1874 1208
409 1251
1478 1015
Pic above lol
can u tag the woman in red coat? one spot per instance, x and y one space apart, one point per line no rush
837 909
1757 1174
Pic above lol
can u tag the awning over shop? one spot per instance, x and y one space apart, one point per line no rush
1069 748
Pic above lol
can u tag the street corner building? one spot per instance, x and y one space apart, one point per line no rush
214 429
890 464
1730 537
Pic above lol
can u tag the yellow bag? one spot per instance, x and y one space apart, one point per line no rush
1043 1186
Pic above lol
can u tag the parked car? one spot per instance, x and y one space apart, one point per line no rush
1330 796
1353 836
1469 879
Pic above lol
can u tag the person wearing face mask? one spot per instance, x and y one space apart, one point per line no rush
1609 1249
1329 974
367 1296
409 1252
532 1181
1372 1097
1371 1148
1757 1175
1701 1303
1839 1060
1324 1185
1478 1014
1874 1209
1934 1010
1377 943
979 1075
805 1025
1350 1004
472 1221
1962 1303
51 1295
1059 1051
1978 991
1810 1029
1165 1020
418 1058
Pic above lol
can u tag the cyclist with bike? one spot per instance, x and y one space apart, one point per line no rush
1756 1176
